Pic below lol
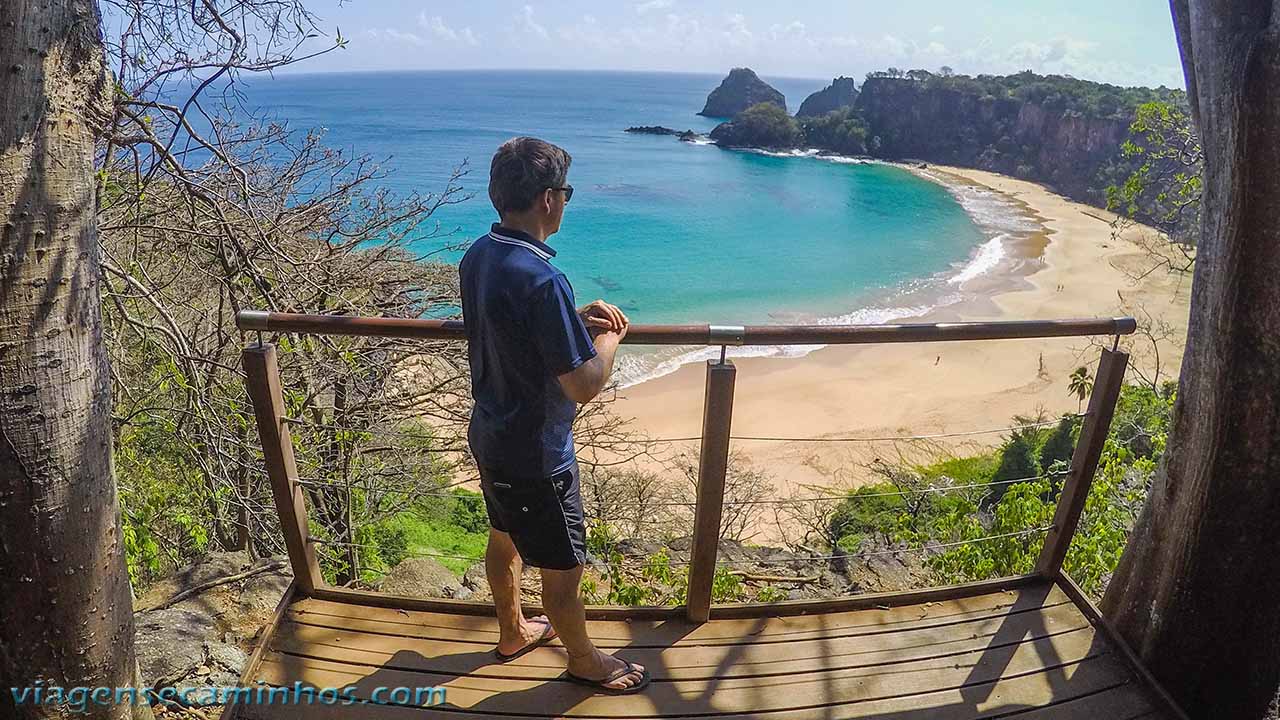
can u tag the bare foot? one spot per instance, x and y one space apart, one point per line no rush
531 630
601 666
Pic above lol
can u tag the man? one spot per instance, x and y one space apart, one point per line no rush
533 357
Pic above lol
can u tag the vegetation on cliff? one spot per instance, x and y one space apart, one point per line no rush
1063 132
1054 92
987 504
1067 133
841 131
764 125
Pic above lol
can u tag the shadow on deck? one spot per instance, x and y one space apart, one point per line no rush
1030 648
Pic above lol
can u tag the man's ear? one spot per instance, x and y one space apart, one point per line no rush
548 205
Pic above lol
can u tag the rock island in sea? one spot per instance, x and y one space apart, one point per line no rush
737 92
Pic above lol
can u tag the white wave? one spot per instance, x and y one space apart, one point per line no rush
784 153
986 259
825 155
996 214
990 210
845 160
633 369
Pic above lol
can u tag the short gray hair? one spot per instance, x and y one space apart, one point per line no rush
521 169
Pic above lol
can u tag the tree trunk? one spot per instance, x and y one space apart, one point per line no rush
65 610
1197 592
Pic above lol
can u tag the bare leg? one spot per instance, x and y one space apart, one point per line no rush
503 567
561 598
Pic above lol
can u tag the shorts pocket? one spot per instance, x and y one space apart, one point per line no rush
527 505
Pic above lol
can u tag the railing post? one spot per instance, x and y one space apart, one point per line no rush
262 377
1084 461
717 415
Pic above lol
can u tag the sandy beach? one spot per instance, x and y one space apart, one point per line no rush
1071 267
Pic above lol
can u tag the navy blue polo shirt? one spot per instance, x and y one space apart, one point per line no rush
523 330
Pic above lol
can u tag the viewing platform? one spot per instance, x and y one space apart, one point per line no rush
1028 646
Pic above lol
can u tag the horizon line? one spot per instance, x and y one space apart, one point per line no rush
635 71
630 71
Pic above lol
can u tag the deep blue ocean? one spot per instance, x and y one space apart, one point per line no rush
671 231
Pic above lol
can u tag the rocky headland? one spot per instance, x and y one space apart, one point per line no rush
1067 145
1059 131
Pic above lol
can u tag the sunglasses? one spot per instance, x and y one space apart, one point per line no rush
567 190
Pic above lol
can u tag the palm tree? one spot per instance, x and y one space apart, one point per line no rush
1080 386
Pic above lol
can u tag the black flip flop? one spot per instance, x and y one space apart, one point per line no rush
602 685
548 634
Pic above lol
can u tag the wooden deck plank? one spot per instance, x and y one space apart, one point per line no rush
691 661
1127 702
1065 655
1165 701
1030 653
730 611
665 633
1007 697
1034 595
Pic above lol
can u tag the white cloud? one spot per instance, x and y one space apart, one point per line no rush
529 25
891 47
1056 50
736 31
680 31
437 27
649 6
842 42
587 32
393 35
795 30
696 38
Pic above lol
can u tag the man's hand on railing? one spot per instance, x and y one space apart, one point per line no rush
600 316
608 326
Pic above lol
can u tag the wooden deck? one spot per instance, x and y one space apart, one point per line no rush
1029 652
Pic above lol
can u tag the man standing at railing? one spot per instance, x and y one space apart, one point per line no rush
534 356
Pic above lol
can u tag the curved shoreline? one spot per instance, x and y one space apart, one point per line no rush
1073 268
1010 227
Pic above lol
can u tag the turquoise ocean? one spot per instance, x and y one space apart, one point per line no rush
672 232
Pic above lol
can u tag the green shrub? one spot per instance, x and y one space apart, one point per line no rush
164 503
1017 461
762 125
867 510
468 513
1060 444
972 470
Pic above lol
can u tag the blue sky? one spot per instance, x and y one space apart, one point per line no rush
1127 42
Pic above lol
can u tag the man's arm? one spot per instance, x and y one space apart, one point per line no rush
577 345
584 383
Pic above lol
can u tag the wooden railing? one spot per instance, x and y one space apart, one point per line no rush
263 381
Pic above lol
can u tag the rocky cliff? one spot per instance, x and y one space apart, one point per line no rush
1064 148
737 92
840 94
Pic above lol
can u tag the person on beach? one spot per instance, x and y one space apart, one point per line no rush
534 356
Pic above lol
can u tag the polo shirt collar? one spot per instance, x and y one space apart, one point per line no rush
519 237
